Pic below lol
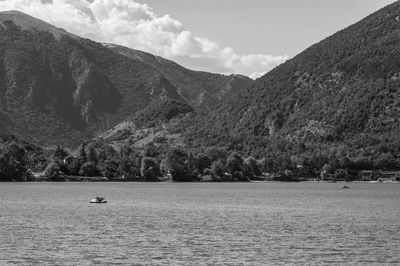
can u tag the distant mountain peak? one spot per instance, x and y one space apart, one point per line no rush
27 22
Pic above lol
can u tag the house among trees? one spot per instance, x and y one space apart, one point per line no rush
366 175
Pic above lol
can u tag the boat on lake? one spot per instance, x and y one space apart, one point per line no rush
98 200
345 187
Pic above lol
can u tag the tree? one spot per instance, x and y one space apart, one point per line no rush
327 172
53 172
215 153
266 165
109 169
218 167
209 172
282 162
202 162
234 163
149 169
178 161
164 167
110 153
82 153
151 150
89 169
72 165
385 161
344 162
250 167
13 164
92 155
60 154
328 169
127 169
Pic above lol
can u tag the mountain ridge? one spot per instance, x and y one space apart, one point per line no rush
56 87
338 89
201 89
28 22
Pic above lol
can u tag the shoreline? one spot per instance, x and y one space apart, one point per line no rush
177 182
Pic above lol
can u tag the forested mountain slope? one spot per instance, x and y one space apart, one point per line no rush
56 87
202 90
343 91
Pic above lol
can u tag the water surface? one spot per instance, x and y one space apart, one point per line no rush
199 224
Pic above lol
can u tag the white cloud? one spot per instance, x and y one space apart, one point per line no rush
256 75
136 25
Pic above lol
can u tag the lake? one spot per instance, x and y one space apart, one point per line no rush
199 224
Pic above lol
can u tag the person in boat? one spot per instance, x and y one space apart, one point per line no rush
99 199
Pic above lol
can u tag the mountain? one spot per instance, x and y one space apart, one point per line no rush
201 90
59 88
343 91
26 22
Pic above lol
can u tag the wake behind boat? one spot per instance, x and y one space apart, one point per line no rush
98 200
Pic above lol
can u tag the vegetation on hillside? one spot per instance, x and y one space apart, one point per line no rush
201 90
56 87
338 100
63 90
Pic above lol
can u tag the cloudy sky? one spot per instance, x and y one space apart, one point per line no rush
248 37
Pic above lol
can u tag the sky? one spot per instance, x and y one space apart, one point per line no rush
248 37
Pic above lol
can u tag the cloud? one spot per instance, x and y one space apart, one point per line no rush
256 75
137 26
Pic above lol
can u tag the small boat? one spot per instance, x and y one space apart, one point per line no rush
98 200
344 187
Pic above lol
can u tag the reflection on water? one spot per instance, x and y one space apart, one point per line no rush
181 224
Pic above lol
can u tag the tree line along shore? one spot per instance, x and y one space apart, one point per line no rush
94 161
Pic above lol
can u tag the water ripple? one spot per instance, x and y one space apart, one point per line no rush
198 224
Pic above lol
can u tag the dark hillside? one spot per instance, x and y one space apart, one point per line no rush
341 91
58 88
201 90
